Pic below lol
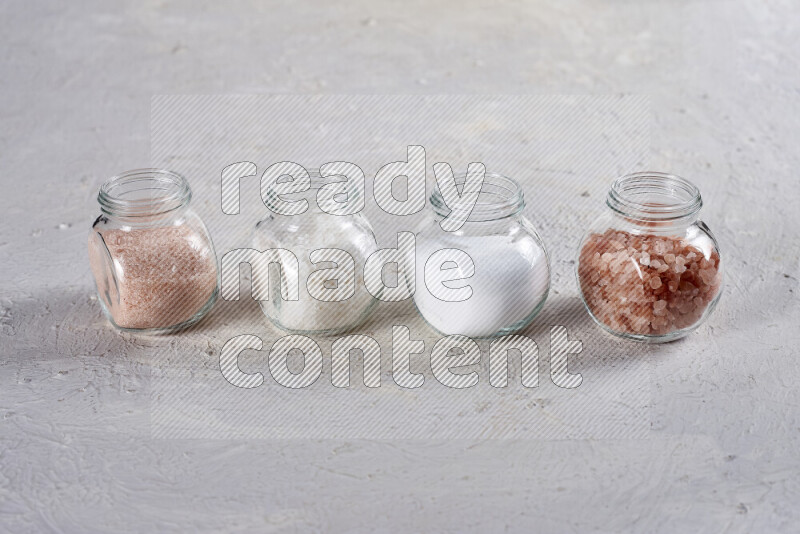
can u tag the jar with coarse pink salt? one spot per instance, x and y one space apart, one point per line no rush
648 269
151 255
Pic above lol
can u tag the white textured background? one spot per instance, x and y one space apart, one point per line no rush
75 90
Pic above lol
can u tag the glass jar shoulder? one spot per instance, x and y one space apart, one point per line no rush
144 247
656 237
511 232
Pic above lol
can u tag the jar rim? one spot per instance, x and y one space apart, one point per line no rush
654 196
143 193
318 181
500 197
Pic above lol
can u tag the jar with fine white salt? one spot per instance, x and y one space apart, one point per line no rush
491 276
328 250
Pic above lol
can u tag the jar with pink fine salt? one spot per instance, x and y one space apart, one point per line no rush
648 269
151 255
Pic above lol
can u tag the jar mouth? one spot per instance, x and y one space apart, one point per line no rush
654 196
500 197
144 193
318 181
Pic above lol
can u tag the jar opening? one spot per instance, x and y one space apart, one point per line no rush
347 189
144 193
318 181
654 196
500 197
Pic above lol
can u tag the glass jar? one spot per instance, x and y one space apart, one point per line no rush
648 269
152 258
509 275
325 306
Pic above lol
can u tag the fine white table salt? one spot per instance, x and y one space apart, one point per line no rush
511 280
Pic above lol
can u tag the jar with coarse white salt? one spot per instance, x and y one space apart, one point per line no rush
489 277
649 269
322 255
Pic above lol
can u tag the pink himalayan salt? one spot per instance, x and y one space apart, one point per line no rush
655 282
161 276
670 291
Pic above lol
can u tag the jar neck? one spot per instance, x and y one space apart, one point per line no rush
500 198
144 195
655 200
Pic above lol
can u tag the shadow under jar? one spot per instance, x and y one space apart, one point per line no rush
151 255
330 250
648 269
511 276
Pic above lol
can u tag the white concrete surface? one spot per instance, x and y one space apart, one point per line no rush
76 451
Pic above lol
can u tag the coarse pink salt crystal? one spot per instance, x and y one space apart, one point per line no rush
655 282
672 285
708 274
